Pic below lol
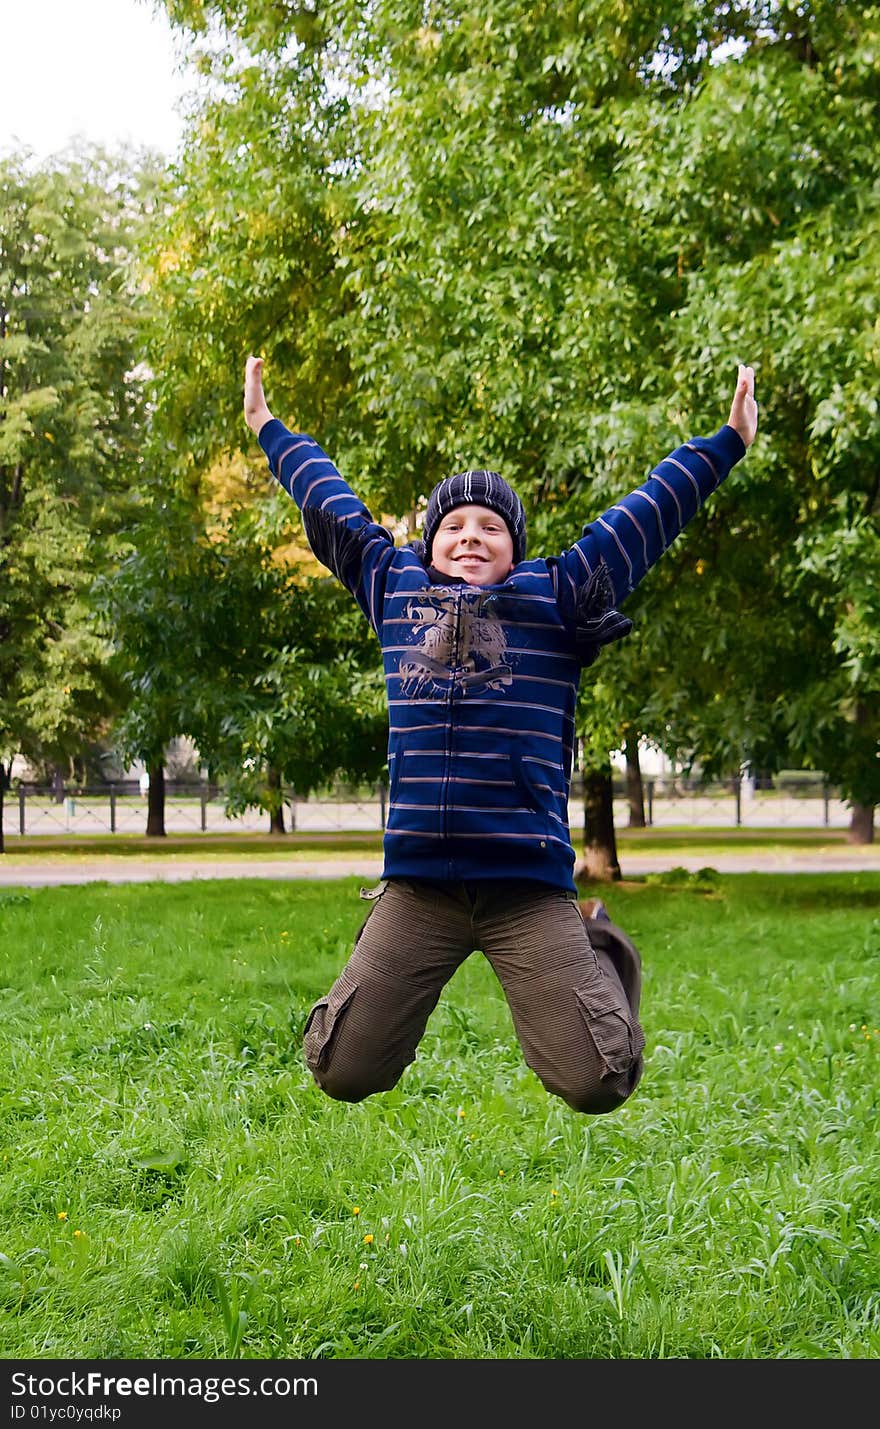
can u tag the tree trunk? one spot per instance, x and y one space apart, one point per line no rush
861 824
276 802
3 777
57 784
156 801
634 790
600 845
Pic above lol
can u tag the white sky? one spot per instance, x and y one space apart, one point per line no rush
100 70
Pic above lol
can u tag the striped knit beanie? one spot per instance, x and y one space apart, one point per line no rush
477 488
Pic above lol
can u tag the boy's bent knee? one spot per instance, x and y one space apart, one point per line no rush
347 1065
348 1087
597 1099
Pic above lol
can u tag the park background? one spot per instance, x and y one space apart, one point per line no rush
536 238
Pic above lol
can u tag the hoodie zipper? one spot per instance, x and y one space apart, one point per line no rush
450 703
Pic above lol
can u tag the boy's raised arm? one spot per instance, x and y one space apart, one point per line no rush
256 410
338 526
632 535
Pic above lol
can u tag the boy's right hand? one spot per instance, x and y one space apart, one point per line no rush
256 411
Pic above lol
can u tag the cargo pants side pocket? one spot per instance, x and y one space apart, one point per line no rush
325 1020
615 1033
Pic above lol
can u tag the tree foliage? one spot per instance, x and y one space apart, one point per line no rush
70 412
218 640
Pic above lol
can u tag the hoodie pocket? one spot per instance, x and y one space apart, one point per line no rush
539 801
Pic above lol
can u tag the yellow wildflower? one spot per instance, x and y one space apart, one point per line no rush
368 1240
77 1235
355 1210
62 1215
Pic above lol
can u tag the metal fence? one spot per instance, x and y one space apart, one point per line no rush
189 809
787 803
199 808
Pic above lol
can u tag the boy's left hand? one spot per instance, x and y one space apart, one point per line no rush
744 409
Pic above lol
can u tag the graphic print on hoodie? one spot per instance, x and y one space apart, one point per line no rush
475 653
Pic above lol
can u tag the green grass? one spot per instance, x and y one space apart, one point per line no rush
174 1186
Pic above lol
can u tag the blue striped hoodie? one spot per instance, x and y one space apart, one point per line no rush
482 681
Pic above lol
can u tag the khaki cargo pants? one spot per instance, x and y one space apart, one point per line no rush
578 1028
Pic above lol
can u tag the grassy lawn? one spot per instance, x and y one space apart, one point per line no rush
175 1187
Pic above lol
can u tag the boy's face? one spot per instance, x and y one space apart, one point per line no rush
474 543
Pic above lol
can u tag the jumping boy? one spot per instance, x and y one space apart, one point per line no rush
482 653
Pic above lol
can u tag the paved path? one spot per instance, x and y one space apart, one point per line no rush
35 872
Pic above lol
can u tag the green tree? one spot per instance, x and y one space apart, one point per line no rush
761 192
272 677
70 412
